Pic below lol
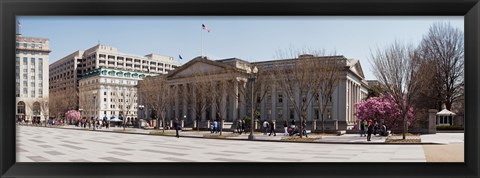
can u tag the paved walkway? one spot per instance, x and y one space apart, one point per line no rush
439 138
40 144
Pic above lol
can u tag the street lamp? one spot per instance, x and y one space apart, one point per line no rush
94 109
252 77
81 116
141 109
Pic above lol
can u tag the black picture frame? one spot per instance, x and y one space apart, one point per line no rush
470 9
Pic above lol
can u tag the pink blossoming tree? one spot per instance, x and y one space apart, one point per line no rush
382 108
72 115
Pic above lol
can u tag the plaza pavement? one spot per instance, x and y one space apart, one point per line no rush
73 144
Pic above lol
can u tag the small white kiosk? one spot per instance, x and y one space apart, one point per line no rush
445 117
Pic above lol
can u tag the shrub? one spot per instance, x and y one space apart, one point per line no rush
449 127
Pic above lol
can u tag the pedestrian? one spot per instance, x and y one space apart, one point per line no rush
285 127
304 124
362 128
376 128
370 130
293 123
243 126
239 126
176 125
215 126
265 127
272 129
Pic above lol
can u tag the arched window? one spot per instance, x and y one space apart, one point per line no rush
111 73
21 107
36 108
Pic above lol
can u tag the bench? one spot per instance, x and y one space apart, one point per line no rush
341 132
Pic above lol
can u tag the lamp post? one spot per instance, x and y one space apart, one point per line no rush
94 108
252 77
140 107
81 116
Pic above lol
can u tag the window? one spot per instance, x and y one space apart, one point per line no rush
104 99
280 98
32 60
40 60
105 93
32 52
33 44
17 52
17 59
24 45
40 75
17 44
25 60
25 52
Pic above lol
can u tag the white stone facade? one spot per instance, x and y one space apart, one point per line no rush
103 92
351 89
31 74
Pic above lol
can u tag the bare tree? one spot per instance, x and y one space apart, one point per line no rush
200 96
155 92
86 102
45 109
295 77
326 77
125 97
442 49
397 68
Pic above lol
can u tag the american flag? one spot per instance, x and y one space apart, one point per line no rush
205 28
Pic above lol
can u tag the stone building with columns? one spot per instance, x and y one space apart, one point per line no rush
230 89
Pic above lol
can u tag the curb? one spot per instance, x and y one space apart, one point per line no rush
260 140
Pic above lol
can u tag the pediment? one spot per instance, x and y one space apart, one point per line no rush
197 68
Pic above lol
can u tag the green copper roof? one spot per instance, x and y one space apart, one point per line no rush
116 73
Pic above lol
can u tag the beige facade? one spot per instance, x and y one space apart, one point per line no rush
234 100
110 93
31 74
66 72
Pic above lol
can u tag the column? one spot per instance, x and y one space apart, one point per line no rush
224 101
297 100
263 110
194 103
213 113
185 111
170 105
177 107
204 112
243 99
274 102
310 106
235 100
285 107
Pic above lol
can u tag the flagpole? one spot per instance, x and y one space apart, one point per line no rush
201 41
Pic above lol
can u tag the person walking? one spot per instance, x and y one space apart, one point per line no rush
215 126
293 123
285 127
370 130
362 128
265 127
304 124
239 127
177 127
272 129
243 126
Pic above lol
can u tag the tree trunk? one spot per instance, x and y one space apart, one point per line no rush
404 125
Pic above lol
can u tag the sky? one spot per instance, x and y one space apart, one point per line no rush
251 38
